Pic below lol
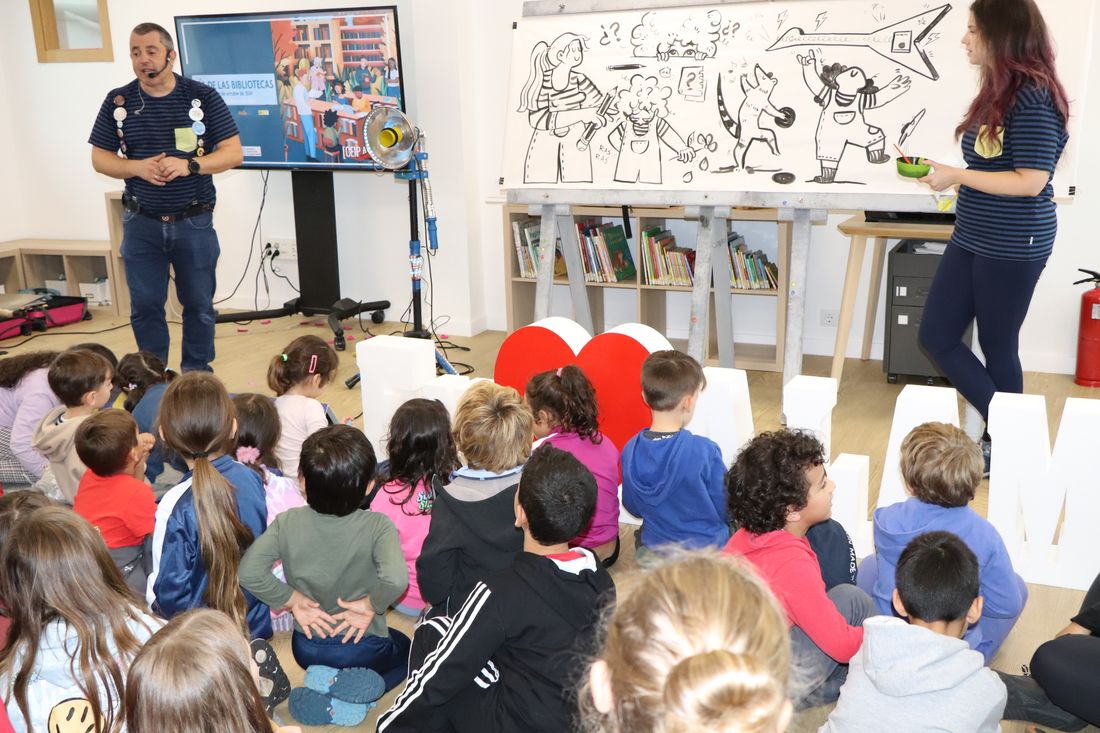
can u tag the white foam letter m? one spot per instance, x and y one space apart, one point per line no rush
1030 484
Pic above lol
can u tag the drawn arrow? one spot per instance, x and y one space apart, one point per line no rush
897 42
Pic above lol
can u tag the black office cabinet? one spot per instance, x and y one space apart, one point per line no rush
909 276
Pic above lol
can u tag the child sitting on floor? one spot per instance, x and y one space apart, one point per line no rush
143 379
81 379
921 675
563 404
674 480
698 643
506 660
473 528
344 569
298 376
778 489
421 450
113 495
942 468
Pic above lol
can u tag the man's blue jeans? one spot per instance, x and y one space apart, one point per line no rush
191 247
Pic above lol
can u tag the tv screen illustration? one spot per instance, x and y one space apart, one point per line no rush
299 83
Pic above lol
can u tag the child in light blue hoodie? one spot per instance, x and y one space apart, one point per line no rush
942 468
674 480
921 675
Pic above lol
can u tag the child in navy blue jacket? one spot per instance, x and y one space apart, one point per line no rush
673 480
205 523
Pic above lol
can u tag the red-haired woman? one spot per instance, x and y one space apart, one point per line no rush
1012 137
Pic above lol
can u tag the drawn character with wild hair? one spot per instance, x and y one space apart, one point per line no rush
845 94
560 103
696 37
638 138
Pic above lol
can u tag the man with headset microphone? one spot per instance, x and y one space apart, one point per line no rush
166 136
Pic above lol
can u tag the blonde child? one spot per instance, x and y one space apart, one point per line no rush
472 530
563 403
942 468
696 644
75 624
422 454
193 676
82 380
204 523
298 376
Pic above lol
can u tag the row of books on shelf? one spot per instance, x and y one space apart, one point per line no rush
666 263
605 253
606 258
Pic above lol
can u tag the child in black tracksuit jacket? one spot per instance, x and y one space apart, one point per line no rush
509 658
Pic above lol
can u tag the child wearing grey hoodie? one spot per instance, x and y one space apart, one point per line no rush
920 675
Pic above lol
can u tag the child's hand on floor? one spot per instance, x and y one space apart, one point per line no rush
310 616
356 619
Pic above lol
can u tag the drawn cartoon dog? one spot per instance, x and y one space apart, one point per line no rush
658 35
757 103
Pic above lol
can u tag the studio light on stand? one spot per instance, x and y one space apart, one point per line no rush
394 143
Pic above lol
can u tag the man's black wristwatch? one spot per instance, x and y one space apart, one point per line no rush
193 166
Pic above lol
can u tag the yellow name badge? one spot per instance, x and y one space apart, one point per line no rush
185 139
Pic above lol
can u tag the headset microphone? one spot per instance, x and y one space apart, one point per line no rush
158 72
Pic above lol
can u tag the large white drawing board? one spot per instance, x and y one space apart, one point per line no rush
740 103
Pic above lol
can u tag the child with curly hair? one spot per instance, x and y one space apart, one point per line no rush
778 489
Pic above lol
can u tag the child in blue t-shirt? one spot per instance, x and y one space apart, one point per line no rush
673 480
942 467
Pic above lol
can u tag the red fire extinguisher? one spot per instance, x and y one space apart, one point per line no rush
1088 333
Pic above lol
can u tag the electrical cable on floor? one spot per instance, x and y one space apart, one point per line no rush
75 333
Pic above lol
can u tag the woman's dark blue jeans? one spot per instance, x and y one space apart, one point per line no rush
997 294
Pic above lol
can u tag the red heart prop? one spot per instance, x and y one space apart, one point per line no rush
612 361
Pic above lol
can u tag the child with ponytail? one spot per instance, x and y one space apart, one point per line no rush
75 625
563 403
696 644
143 378
298 376
205 523
258 432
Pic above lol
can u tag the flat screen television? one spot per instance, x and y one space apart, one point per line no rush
299 83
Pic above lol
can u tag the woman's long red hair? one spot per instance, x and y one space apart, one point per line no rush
1018 52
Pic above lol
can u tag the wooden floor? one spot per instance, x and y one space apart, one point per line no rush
861 425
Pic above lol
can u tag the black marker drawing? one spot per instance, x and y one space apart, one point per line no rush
610 34
695 37
908 128
638 138
693 83
757 103
897 42
560 102
845 94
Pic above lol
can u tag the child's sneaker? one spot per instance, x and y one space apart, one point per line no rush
274 684
355 685
310 707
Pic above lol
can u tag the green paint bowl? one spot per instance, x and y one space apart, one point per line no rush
916 169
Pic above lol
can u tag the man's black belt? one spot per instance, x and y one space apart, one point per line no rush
131 205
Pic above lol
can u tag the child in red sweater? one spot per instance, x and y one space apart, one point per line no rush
112 494
777 490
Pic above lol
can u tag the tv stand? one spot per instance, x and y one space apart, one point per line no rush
319 272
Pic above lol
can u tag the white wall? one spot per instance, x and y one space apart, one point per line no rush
457 63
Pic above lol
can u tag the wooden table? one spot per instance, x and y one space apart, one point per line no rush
860 230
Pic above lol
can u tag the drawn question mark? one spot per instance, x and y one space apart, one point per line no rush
607 37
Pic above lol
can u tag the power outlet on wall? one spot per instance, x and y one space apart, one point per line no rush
287 248
829 318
